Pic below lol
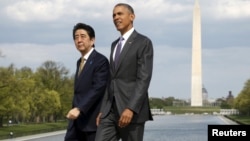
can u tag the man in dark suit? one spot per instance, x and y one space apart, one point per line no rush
125 107
91 79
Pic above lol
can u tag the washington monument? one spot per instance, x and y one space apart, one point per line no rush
196 80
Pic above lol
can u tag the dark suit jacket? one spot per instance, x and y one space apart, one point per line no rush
130 81
89 90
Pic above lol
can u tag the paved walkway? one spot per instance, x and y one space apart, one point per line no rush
35 136
228 121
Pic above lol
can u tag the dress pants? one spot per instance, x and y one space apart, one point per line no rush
108 129
74 134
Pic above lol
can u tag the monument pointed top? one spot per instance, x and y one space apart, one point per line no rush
196 2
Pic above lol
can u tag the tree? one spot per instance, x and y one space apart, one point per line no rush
24 91
169 101
242 101
6 81
53 76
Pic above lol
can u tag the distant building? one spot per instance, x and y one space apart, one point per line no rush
230 96
204 94
229 112
205 97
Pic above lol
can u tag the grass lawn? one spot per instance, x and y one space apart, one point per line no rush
240 119
19 130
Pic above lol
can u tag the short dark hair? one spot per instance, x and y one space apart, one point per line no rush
130 9
86 27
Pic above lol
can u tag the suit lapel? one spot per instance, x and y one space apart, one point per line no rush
87 66
112 54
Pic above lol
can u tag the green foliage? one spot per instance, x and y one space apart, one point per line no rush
242 102
156 103
240 119
160 103
40 96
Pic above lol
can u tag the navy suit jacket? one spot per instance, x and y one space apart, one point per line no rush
130 81
89 90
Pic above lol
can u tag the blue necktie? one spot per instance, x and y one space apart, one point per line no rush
118 51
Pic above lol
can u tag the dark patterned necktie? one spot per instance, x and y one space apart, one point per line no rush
118 51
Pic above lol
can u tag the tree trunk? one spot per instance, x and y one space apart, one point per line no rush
1 121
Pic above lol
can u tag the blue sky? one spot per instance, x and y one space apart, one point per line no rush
32 32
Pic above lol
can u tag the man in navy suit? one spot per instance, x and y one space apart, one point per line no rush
125 107
91 78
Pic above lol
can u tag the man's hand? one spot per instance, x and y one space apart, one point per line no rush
73 113
125 118
98 118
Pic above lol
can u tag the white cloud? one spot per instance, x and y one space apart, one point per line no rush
234 9
161 9
47 10
30 10
226 9
171 11
33 55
